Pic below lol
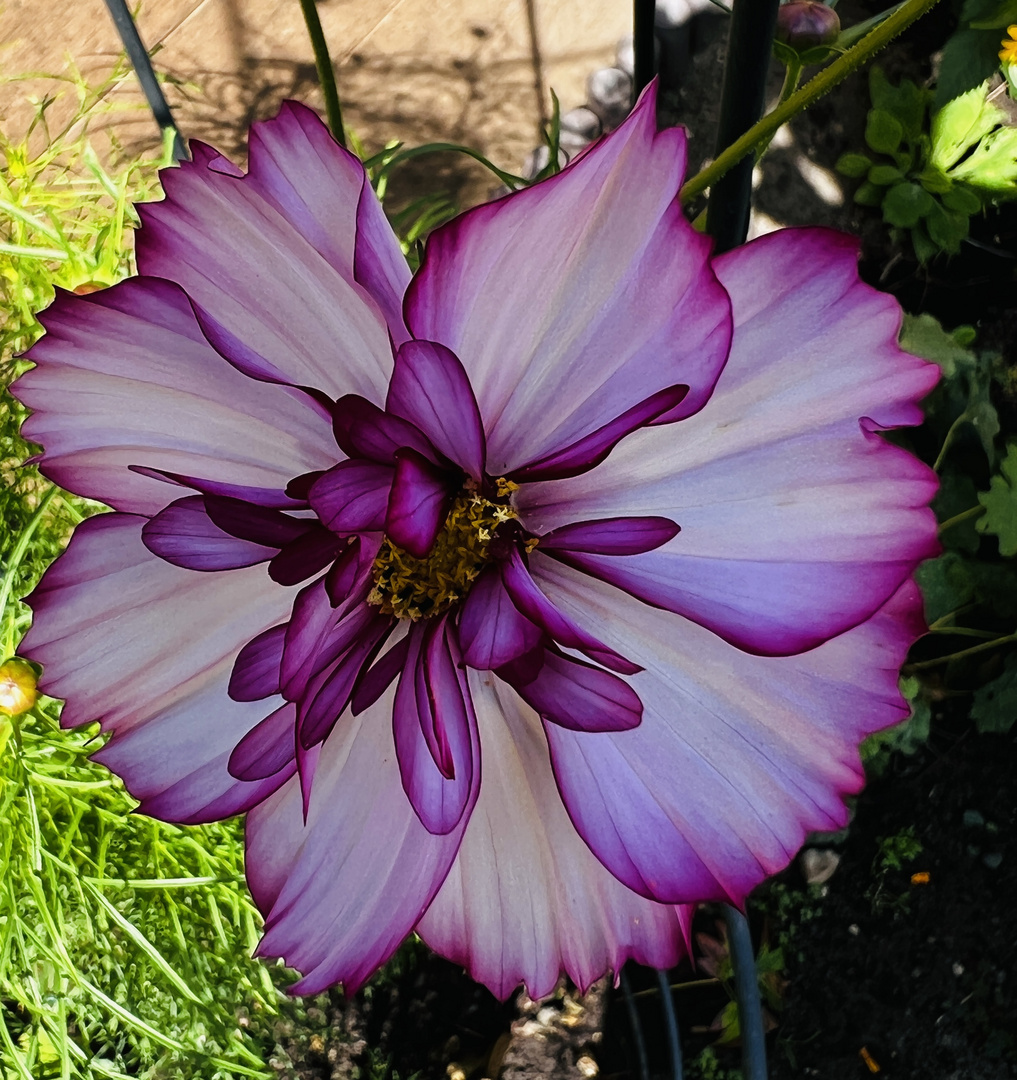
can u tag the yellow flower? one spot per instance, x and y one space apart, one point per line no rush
1008 54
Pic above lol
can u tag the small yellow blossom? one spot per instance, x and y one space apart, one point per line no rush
1008 54
17 687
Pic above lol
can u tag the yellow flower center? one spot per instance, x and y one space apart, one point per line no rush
412 588
1008 54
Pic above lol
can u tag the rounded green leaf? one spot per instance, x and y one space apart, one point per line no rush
884 175
906 204
883 132
853 165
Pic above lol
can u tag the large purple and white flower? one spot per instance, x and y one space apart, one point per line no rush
518 604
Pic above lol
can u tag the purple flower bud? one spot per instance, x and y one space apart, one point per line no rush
805 24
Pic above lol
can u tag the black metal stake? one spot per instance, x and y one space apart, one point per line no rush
142 64
750 1008
642 43
749 48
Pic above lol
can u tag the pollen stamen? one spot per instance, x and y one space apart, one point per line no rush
412 588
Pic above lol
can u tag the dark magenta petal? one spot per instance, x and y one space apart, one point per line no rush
362 430
316 636
374 682
492 630
352 570
352 496
434 728
576 695
255 672
305 556
431 389
259 524
183 534
591 450
320 715
528 598
259 496
418 504
379 264
266 748
611 536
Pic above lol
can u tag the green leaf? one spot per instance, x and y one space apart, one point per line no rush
947 228
947 584
1003 14
994 709
925 248
906 101
883 132
969 58
885 175
923 336
906 204
963 200
853 165
1000 502
869 195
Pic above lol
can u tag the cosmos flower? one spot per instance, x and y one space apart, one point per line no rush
519 604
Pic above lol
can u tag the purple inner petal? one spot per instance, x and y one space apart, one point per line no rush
256 669
418 504
259 524
267 748
259 496
352 496
431 389
611 536
305 556
576 695
592 449
183 534
492 630
528 598
362 430
374 682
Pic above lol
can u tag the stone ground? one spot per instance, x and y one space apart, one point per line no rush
475 71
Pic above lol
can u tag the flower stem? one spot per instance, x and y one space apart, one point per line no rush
326 72
974 511
750 1008
924 664
826 80
750 43
674 1046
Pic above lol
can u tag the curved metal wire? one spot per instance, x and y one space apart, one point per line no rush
674 1046
637 1029
750 1008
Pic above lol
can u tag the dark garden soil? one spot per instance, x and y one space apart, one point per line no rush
904 964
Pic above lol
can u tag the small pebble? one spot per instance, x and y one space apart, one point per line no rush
993 859
587 1066
818 865
581 121
973 819
854 929
957 969
609 95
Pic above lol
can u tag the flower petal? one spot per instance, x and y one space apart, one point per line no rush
526 595
183 534
492 630
256 671
267 260
352 496
574 694
575 299
125 377
341 892
435 729
798 521
418 503
431 389
545 904
611 536
147 677
738 756
268 748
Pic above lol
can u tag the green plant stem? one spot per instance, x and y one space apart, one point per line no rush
19 553
922 665
826 80
948 440
326 73
964 515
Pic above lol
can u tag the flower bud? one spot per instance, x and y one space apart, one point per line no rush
17 687
806 24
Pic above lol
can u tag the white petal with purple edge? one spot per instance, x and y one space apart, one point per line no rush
125 377
341 892
737 756
266 296
114 631
797 520
575 299
526 899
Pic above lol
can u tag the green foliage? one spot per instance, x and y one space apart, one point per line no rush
1000 502
124 942
971 55
936 177
995 706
